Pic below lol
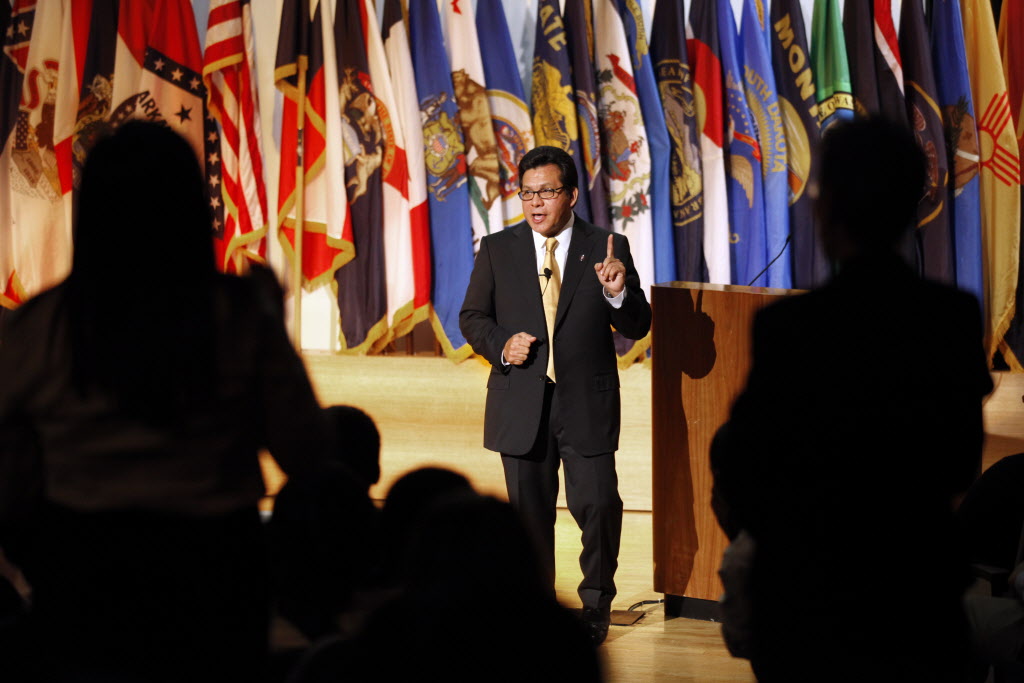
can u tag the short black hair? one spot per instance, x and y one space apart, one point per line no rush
546 155
872 179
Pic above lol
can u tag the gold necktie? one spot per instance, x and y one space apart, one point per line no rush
549 287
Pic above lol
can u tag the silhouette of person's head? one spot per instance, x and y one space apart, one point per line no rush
871 180
142 210
357 441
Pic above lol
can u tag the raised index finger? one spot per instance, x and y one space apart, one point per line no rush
611 250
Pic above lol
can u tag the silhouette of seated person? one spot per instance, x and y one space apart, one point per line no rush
151 382
859 423
325 532
449 622
991 516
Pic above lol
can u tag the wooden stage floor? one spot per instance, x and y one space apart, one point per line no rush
430 412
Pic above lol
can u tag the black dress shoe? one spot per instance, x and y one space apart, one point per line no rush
597 620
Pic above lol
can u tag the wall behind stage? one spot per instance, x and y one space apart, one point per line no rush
319 308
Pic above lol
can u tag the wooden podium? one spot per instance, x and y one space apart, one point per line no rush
700 355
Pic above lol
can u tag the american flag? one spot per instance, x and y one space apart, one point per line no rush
234 159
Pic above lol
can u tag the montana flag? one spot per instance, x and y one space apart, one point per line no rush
624 139
451 230
799 104
35 236
229 70
675 84
935 242
705 62
746 184
961 127
1011 35
828 59
407 259
362 293
306 39
552 97
510 115
579 25
763 100
657 141
1000 174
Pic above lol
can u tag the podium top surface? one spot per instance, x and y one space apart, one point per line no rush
739 289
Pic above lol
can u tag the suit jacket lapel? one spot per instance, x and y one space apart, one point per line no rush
525 262
577 262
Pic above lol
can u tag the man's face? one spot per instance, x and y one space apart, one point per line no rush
547 216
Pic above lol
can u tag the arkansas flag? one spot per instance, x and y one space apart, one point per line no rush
306 39
229 71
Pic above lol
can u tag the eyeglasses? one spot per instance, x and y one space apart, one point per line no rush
546 193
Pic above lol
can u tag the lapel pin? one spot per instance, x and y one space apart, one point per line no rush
582 256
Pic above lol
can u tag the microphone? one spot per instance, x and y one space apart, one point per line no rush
777 256
547 273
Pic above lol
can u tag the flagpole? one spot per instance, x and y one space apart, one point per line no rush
300 192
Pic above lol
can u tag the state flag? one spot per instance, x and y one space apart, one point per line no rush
553 98
362 292
831 70
1000 175
306 43
470 85
35 242
798 101
963 153
678 100
451 227
935 242
763 101
579 26
510 114
749 253
704 52
229 72
407 217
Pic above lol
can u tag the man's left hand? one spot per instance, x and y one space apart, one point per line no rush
611 272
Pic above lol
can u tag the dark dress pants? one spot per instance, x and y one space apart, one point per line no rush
591 492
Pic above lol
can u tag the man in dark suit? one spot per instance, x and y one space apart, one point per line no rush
540 306
860 422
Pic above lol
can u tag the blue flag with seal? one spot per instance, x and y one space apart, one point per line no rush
657 139
934 241
953 85
451 232
510 115
763 100
748 252
676 86
579 25
552 96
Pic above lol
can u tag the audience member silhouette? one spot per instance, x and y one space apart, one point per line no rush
859 423
357 441
447 623
325 532
151 381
